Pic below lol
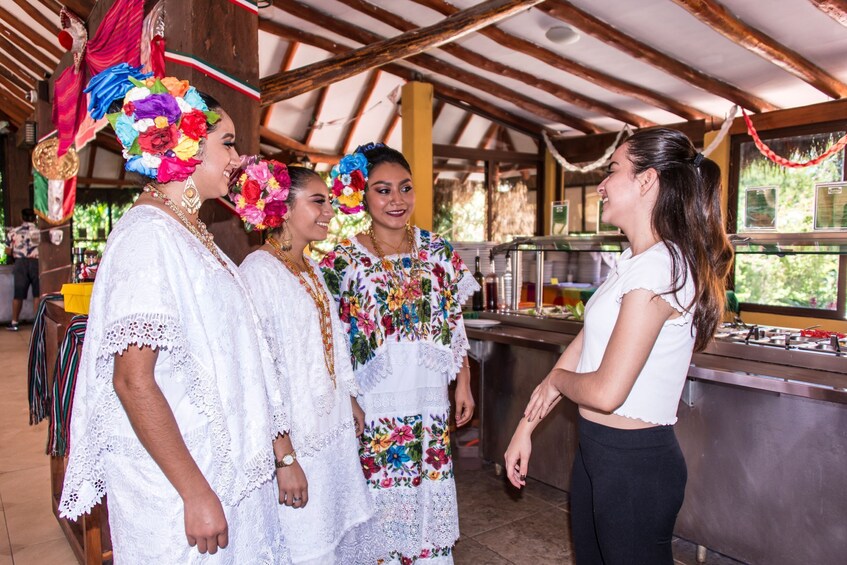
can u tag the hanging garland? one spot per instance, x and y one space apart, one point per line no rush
778 159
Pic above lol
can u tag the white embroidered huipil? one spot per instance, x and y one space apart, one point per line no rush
159 287
336 526
403 318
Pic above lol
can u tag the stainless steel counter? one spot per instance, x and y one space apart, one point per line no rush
763 430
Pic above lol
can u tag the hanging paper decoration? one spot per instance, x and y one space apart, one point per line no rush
153 41
73 36
54 182
117 40
778 159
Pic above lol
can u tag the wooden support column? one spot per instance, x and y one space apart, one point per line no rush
224 36
720 155
551 189
417 147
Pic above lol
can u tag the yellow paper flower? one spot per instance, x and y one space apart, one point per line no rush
273 184
260 204
242 202
352 200
175 86
186 148
160 121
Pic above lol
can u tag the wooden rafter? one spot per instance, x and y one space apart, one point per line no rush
484 63
316 115
454 96
285 64
437 108
503 135
23 68
721 20
20 51
13 78
280 141
489 135
461 127
33 36
362 105
361 35
287 85
390 127
16 90
558 61
835 9
81 8
92 157
51 5
13 103
568 13
38 16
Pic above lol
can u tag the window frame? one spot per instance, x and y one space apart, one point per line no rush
840 312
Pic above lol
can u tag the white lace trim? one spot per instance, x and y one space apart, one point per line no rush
309 444
378 404
466 287
682 320
444 361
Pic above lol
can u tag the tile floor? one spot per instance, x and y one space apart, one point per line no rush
499 525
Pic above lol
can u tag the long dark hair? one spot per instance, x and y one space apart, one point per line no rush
687 217
379 153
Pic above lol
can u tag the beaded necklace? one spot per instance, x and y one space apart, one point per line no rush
199 231
319 297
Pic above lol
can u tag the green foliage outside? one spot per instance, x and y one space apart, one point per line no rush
809 281
91 223
460 210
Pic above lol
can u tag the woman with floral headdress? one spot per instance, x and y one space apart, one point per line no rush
326 511
175 407
399 290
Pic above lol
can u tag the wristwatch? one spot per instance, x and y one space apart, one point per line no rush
287 460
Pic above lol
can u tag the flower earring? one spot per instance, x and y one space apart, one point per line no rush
190 196
284 240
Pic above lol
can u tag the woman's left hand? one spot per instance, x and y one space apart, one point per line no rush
358 416
543 399
464 404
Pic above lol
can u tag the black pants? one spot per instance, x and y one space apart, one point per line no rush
25 272
627 488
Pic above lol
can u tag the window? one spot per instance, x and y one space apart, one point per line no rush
95 214
766 197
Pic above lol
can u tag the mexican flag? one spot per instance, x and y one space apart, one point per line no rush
54 199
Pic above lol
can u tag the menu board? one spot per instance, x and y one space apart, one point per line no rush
831 206
559 211
760 208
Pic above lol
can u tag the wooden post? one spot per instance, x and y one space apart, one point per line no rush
550 188
720 155
417 147
224 36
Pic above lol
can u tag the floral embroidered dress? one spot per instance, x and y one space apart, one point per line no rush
159 287
408 342
337 525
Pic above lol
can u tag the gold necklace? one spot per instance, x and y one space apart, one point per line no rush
320 299
199 231
387 265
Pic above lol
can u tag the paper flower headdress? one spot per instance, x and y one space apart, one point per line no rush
259 189
160 124
349 178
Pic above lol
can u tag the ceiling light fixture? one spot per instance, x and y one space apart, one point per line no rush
563 35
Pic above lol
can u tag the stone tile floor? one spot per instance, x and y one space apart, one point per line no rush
499 525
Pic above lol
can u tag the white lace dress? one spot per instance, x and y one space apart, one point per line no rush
159 287
336 526
404 326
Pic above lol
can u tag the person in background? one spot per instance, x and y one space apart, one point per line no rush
22 246
399 290
326 511
627 367
176 406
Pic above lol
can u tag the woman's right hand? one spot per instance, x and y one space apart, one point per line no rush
205 522
517 456
293 486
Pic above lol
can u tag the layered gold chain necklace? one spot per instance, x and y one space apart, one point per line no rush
199 231
320 299
387 265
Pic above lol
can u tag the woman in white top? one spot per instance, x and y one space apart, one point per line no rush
627 367
326 512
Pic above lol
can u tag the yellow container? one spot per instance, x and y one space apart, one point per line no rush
77 297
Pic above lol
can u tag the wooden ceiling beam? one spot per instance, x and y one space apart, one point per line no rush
390 127
287 85
484 63
454 96
81 8
455 138
284 65
361 35
19 51
271 137
52 5
33 36
364 98
14 79
13 104
568 13
437 108
489 135
38 16
316 115
557 61
22 64
10 117
18 70
835 9
716 16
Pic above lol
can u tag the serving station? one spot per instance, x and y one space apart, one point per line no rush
762 419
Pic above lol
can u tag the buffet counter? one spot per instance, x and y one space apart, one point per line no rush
762 424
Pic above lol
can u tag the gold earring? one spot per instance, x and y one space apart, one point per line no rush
190 197
284 242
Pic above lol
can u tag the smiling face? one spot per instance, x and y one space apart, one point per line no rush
219 160
620 190
390 196
309 213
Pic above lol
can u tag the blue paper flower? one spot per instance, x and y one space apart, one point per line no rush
124 130
110 85
352 162
194 100
135 164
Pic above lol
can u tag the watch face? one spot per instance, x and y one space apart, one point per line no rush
288 459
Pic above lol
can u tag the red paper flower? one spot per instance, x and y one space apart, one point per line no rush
273 221
193 124
158 140
357 180
251 191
